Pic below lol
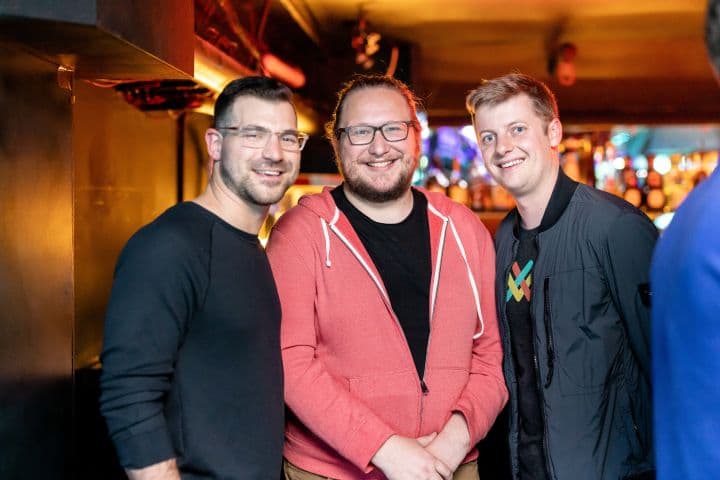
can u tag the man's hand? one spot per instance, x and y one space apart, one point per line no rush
166 470
452 444
403 458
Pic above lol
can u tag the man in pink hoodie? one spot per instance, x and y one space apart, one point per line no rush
389 334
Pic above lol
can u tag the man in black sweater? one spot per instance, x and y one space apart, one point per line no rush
192 374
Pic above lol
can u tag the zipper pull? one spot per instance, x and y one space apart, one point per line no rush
424 387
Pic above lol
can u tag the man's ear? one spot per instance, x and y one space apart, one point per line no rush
213 143
554 132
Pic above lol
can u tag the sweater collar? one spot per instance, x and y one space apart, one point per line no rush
559 200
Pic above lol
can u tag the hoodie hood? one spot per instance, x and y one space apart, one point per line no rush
323 205
440 208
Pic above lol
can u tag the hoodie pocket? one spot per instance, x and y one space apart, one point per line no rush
444 387
394 397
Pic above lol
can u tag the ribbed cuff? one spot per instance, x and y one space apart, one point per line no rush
145 448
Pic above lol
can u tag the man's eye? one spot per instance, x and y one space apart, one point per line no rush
392 128
518 129
487 139
251 134
290 139
361 131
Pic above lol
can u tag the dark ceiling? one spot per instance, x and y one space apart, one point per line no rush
640 61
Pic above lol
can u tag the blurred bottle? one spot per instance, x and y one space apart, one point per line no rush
632 193
479 187
655 198
675 188
458 188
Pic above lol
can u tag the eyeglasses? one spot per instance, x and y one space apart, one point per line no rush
258 137
365 134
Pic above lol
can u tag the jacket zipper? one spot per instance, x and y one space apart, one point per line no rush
538 381
507 347
541 395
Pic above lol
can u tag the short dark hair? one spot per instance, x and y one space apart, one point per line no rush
260 87
712 33
498 90
359 82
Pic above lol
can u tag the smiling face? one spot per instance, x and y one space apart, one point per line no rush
255 176
518 147
380 171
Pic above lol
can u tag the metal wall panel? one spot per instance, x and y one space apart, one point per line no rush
36 269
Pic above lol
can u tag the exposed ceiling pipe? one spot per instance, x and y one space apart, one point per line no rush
237 28
215 68
303 17
263 20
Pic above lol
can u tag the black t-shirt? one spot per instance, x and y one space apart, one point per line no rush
191 359
401 254
521 283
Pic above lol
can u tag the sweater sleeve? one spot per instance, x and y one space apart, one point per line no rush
318 398
485 394
151 299
630 243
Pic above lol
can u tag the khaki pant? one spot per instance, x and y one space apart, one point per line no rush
467 471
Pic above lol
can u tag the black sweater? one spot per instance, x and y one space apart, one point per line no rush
191 357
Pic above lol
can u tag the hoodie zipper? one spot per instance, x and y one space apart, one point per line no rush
435 278
422 386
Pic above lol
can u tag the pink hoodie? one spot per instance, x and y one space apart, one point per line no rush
349 375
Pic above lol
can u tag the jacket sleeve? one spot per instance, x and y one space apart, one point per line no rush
630 243
485 394
149 303
318 398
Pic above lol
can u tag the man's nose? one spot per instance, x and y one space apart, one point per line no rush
504 144
379 146
272 150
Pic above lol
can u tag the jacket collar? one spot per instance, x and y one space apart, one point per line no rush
559 200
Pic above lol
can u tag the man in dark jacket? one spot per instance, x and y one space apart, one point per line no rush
572 296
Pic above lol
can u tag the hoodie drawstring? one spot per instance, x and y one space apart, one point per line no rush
447 220
473 285
326 235
328 263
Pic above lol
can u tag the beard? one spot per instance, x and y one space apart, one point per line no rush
370 192
257 194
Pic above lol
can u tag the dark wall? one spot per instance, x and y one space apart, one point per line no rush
126 171
76 180
36 269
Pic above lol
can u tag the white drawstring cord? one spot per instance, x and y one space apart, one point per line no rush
324 225
476 295
327 242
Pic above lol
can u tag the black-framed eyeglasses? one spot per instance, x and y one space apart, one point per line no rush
258 137
365 134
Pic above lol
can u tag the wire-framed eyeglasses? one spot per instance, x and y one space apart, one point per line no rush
365 134
258 137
